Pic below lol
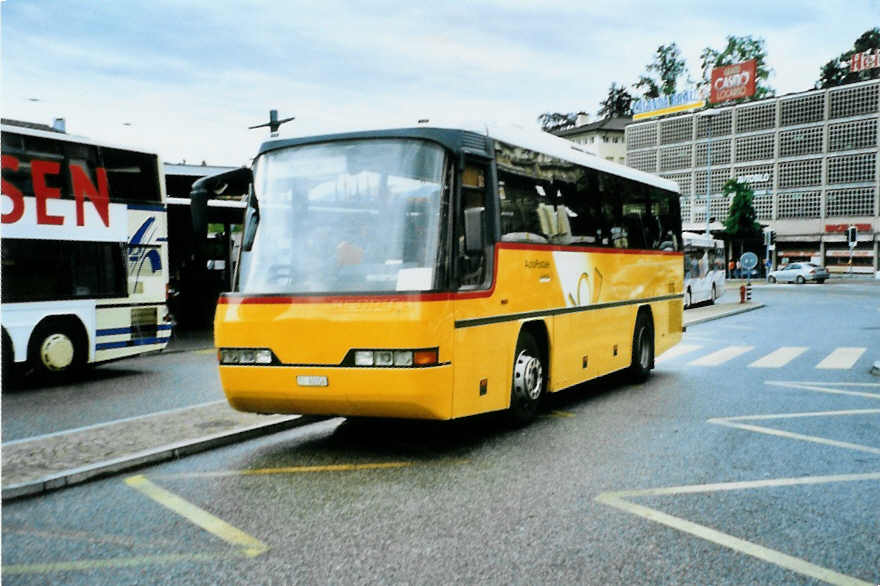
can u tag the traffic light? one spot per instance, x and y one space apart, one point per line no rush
852 235
772 237
769 237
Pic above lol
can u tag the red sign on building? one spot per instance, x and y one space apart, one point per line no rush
866 60
831 228
732 82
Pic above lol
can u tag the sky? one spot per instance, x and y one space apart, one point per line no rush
186 79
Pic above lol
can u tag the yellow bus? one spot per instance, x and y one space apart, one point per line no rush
439 273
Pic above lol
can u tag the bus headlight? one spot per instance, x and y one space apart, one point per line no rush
395 358
245 356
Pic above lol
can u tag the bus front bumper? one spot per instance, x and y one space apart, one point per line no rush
416 393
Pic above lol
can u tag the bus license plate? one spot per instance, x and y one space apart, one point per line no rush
311 381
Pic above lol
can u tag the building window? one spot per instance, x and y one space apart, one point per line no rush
850 202
850 136
852 168
805 204
853 101
754 148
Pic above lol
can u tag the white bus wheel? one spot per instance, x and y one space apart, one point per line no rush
56 348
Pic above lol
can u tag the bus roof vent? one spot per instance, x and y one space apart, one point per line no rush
474 143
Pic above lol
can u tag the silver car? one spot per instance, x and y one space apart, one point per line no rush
799 272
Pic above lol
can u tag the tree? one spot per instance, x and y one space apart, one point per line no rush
662 73
739 49
741 223
618 102
553 121
837 71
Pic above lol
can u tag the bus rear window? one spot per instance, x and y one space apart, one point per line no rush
52 270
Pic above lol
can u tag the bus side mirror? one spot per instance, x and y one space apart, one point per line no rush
235 181
251 220
474 230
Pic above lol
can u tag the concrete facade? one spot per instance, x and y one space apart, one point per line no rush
811 159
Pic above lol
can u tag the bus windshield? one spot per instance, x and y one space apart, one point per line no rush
347 216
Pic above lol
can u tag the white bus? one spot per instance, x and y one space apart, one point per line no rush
84 252
703 268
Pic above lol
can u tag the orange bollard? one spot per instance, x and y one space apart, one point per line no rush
742 293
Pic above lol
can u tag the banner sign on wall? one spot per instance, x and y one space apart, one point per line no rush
680 102
732 82
866 60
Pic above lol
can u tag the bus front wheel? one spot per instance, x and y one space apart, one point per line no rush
642 349
56 349
529 380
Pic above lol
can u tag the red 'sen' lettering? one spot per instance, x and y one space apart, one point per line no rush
11 191
83 187
39 170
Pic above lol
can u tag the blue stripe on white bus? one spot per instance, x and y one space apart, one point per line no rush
146 207
126 330
129 343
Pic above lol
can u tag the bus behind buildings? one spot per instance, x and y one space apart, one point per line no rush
84 252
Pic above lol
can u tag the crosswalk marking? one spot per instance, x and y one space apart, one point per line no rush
779 357
721 356
677 351
842 358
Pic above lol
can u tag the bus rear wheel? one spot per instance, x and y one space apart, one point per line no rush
56 349
642 349
529 380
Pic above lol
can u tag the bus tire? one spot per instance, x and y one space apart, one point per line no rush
57 348
643 348
8 357
528 382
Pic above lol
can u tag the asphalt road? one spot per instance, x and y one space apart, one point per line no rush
127 388
750 456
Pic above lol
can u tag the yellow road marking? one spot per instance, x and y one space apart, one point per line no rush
206 352
562 414
251 546
289 470
798 565
779 357
83 565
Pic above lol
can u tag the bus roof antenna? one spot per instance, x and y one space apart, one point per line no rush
274 123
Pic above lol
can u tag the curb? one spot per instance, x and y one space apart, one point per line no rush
725 314
153 456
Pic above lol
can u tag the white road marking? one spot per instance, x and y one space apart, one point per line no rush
821 389
779 358
798 565
733 422
842 358
721 356
677 351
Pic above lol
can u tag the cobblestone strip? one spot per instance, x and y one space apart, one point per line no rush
58 460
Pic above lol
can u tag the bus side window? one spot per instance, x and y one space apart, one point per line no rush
472 266
520 198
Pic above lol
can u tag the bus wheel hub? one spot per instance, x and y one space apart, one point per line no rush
57 352
527 376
